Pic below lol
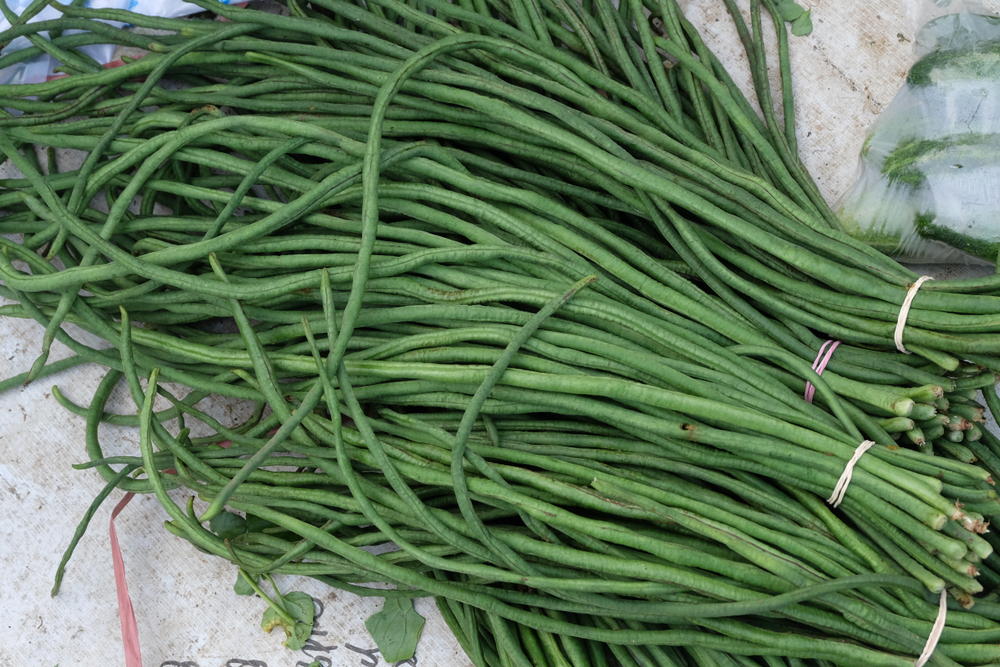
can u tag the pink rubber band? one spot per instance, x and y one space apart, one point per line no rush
820 365
130 631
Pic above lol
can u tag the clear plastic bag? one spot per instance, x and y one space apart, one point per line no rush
36 70
929 189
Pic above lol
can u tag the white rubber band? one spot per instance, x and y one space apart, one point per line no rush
936 630
845 477
904 312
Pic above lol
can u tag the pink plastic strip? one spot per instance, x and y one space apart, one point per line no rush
820 365
110 65
130 631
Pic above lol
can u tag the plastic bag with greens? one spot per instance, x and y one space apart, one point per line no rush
38 68
929 190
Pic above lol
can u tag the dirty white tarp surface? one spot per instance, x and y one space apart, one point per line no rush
845 73
186 611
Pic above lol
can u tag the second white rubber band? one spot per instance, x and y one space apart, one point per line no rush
936 631
904 312
845 477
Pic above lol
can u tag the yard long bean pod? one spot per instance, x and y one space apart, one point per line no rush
632 478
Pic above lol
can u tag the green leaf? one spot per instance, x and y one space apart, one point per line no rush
802 25
242 586
228 525
789 10
257 525
396 629
271 620
300 607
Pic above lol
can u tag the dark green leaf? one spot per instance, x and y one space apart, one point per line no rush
228 525
242 587
396 629
256 525
802 25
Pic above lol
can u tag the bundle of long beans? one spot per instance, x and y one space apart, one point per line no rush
518 299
